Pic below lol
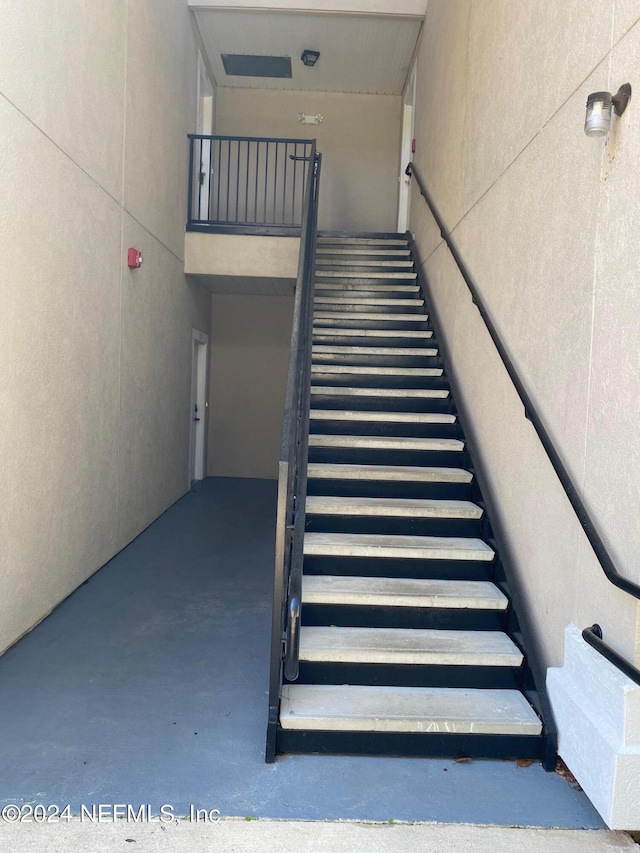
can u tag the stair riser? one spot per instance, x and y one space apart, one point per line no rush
364 456
364 268
399 568
407 675
403 617
383 489
376 380
364 360
407 430
382 429
409 526
410 745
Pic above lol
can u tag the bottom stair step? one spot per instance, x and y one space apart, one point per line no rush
406 709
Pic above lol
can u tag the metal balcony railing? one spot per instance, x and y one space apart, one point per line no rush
247 184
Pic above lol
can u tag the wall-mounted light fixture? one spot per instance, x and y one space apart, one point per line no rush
303 118
599 105
310 57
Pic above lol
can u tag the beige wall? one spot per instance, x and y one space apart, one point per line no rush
95 359
546 220
249 361
359 139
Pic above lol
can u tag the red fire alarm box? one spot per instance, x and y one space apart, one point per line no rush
134 259
413 146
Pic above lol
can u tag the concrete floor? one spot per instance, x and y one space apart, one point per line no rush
149 686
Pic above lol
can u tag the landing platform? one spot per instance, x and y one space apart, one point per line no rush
149 686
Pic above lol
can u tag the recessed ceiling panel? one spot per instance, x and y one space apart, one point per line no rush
358 53
247 65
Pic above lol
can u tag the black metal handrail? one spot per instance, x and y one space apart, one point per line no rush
292 468
584 517
247 182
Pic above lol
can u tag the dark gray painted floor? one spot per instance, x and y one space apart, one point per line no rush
149 685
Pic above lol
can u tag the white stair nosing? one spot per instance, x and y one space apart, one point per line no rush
370 316
366 370
364 276
416 646
402 592
396 546
388 473
354 287
324 240
411 352
355 251
379 442
364 301
405 393
346 332
391 507
382 417
416 710
399 263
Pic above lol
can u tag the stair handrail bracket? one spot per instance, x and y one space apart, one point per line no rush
292 470
587 522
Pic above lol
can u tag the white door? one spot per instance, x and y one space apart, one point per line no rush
204 125
404 196
199 405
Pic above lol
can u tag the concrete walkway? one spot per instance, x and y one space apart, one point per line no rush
149 686
264 836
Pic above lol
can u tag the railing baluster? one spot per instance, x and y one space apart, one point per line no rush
284 186
238 144
266 182
190 197
255 195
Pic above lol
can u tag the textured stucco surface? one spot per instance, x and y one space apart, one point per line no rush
359 139
249 362
95 360
598 714
242 256
546 222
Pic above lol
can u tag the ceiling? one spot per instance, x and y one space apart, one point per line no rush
358 53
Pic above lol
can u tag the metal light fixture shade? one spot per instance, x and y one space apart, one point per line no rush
310 57
599 107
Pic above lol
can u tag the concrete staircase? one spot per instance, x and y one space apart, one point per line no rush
407 643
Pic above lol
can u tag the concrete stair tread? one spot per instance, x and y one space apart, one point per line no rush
368 300
366 370
346 332
407 393
383 442
407 709
391 507
402 592
423 646
413 352
388 473
382 417
354 240
347 261
396 546
329 287
341 316
347 274
356 250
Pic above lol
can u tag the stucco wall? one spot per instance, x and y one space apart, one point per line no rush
95 360
249 362
359 139
546 220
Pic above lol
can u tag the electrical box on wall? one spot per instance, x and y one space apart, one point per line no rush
134 259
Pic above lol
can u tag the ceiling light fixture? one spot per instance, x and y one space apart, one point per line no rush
599 104
310 57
